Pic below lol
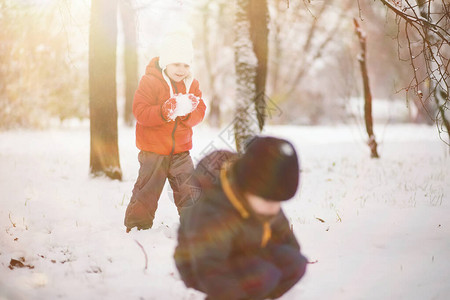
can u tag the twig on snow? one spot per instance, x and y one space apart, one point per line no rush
145 254
321 220
13 224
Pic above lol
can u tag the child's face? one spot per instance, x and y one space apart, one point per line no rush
262 206
177 71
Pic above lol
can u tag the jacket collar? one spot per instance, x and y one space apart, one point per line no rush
187 82
231 192
236 200
154 69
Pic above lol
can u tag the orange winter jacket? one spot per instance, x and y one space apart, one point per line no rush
153 132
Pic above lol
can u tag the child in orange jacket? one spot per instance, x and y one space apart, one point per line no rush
167 104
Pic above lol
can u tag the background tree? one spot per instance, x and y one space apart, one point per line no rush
310 65
214 98
305 39
130 56
41 78
215 57
259 32
427 23
104 159
250 64
367 92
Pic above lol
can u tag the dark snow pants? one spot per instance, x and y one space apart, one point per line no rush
153 171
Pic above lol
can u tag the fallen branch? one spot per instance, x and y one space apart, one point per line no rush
13 224
321 220
145 254
339 217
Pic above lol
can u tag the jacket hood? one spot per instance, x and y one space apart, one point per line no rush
229 187
214 172
207 172
228 182
153 68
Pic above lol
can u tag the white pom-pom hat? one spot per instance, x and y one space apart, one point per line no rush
176 47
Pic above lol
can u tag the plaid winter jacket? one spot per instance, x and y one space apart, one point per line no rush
220 240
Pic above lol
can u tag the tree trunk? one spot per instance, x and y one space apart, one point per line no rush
367 93
251 69
104 158
128 17
245 124
259 31
214 107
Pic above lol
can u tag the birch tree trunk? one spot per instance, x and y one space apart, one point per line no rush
251 66
245 125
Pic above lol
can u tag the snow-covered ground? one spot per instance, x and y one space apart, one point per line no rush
373 228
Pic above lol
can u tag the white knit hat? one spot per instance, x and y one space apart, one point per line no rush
176 47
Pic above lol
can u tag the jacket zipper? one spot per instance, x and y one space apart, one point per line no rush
267 234
173 136
176 121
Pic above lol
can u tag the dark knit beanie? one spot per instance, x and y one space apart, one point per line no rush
269 168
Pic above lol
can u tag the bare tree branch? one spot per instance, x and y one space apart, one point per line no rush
429 54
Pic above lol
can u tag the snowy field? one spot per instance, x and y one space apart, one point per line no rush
371 228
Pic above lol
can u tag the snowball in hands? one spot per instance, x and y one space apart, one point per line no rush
186 103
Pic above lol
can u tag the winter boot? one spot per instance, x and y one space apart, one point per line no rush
137 215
